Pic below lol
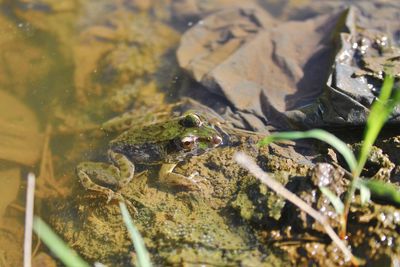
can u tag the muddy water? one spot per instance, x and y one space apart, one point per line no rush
69 66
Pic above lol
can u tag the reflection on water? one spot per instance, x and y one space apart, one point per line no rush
67 67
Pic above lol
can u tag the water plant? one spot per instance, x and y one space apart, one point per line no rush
143 258
70 258
379 113
67 255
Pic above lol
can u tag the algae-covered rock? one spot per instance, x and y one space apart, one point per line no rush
256 203
378 165
178 226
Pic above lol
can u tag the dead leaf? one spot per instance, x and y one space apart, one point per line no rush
10 182
20 140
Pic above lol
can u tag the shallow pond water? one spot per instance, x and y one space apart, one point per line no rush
75 74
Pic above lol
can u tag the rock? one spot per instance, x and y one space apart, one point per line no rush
241 54
281 74
193 10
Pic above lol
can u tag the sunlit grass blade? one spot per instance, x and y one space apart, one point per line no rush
380 112
336 202
67 255
365 193
319 134
381 189
143 258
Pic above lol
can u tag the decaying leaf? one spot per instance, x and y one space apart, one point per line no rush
10 180
20 140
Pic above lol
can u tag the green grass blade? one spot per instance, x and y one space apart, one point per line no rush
365 194
382 190
336 202
319 134
143 257
67 255
380 112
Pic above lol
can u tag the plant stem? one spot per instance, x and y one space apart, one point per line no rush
246 162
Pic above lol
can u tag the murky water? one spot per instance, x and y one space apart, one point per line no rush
69 66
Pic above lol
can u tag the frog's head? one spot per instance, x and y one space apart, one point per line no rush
197 136
198 133
171 141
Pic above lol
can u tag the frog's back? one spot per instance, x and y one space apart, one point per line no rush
152 134
147 145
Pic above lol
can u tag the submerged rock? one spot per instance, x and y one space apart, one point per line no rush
280 73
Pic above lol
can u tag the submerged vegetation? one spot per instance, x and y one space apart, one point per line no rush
71 259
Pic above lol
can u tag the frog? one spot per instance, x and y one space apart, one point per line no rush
164 143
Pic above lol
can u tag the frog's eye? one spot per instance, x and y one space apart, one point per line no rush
191 120
216 140
189 142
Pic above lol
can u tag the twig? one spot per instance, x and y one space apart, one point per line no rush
246 162
46 182
45 150
37 246
30 194
17 207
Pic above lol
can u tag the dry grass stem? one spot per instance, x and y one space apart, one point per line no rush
247 163
30 194
47 185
